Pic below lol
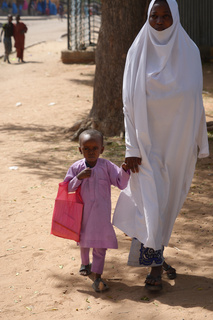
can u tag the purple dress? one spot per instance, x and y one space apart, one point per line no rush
97 230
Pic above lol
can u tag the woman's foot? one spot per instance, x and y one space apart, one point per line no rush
171 272
153 280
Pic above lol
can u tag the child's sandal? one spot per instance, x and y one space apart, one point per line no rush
85 270
99 285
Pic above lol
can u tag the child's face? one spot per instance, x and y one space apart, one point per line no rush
91 148
160 16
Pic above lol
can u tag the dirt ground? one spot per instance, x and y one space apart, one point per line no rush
39 272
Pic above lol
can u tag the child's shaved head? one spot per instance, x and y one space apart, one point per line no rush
94 134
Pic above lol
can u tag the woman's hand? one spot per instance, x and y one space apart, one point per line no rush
133 163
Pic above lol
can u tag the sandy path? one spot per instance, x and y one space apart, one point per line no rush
39 272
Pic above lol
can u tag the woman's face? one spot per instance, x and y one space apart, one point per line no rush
160 16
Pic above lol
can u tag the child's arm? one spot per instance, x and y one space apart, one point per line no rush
74 177
119 177
125 166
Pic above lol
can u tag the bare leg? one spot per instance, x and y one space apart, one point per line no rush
156 275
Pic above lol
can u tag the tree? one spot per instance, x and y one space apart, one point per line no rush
121 21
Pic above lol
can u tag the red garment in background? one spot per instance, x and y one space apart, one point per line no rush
19 35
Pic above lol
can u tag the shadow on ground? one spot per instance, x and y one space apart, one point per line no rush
180 292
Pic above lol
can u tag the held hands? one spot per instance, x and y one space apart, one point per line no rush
133 163
125 166
86 173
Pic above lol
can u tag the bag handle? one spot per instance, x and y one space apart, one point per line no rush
63 192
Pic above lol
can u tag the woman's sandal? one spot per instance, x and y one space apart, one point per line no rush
99 285
153 283
85 270
171 272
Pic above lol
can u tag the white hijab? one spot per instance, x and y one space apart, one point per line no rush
165 124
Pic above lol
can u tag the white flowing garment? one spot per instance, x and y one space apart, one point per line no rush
165 126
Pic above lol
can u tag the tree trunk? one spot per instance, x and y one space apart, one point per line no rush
121 22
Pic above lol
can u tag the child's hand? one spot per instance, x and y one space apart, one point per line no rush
86 173
125 166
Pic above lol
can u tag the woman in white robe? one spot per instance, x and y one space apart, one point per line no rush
165 131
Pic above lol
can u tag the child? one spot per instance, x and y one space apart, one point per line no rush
95 176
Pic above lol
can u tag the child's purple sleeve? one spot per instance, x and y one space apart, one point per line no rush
74 182
118 176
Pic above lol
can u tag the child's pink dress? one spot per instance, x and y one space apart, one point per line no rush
97 230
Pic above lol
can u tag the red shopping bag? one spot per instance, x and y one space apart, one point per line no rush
67 213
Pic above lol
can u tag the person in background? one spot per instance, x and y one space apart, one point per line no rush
19 35
14 8
8 30
61 11
5 7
